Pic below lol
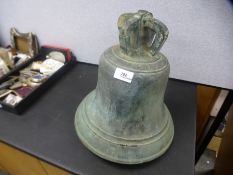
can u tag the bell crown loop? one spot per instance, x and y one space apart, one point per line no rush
140 34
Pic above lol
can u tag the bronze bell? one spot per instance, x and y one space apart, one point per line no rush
124 119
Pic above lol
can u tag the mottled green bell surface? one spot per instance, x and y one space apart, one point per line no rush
124 119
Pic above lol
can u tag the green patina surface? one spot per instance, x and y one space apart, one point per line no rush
124 122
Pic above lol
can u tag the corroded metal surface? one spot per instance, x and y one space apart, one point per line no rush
126 122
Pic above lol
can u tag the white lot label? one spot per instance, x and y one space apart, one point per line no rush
123 75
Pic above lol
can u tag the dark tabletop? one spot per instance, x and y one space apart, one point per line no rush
47 131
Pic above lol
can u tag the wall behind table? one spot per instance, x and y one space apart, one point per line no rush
199 48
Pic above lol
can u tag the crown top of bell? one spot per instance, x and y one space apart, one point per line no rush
141 34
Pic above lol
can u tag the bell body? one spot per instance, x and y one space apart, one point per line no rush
127 122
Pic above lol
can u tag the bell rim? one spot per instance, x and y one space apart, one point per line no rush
123 161
80 118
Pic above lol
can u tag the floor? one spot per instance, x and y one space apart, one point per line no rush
2 173
205 165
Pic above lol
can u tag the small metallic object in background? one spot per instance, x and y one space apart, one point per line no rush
57 56
26 43
3 68
12 99
5 56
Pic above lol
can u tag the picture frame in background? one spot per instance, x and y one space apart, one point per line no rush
26 43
